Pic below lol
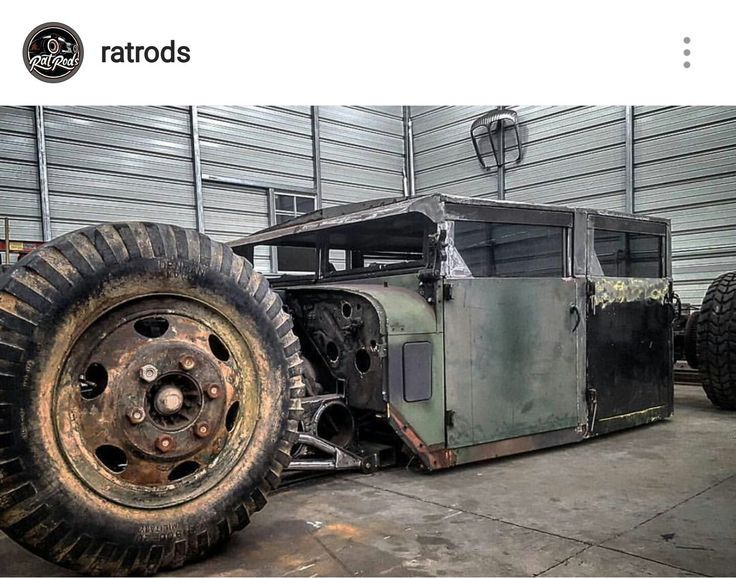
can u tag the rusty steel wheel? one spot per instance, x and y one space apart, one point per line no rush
149 385
149 397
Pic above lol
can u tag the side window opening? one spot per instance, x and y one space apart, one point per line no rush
511 250
626 254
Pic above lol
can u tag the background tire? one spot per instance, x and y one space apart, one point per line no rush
716 342
49 302
690 338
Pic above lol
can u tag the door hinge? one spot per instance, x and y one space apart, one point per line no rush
590 293
450 418
447 292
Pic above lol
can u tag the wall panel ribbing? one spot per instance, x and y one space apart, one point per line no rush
445 161
268 145
118 164
685 170
362 152
19 197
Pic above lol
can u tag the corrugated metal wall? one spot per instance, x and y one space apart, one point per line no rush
684 169
137 163
118 163
444 159
572 155
19 189
267 146
115 163
362 150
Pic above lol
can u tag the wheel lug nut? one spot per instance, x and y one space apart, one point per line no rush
213 391
202 429
165 443
187 363
149 373
136 415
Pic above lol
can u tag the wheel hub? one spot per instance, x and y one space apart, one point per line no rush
168 400
152 410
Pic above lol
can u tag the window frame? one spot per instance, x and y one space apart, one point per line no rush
273 214
565 249
352 255
561 218
627 226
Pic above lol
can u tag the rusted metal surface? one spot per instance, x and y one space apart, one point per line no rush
155 397
340 331
519 445
432 457
165 443
609 290
202 429
437 458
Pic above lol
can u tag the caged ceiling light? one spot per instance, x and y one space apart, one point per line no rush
489 135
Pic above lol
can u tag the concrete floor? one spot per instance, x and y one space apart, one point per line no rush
653 501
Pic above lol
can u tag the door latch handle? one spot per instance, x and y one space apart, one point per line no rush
574 309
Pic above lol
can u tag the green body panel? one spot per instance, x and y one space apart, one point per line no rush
511 358
405 280
426 417
405 311
407 317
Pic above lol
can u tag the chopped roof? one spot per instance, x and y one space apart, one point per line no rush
433 206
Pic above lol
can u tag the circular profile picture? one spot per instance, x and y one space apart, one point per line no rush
53 52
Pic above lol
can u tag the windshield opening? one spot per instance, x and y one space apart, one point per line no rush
395 243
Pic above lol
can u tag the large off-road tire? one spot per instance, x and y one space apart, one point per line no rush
716 342
149 397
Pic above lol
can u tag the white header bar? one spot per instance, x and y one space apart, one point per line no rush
384 52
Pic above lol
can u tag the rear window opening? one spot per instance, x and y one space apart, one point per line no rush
626 254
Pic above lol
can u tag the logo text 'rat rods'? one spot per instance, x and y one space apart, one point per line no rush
53 52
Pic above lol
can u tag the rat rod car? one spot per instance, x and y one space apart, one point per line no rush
472 328
154 387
